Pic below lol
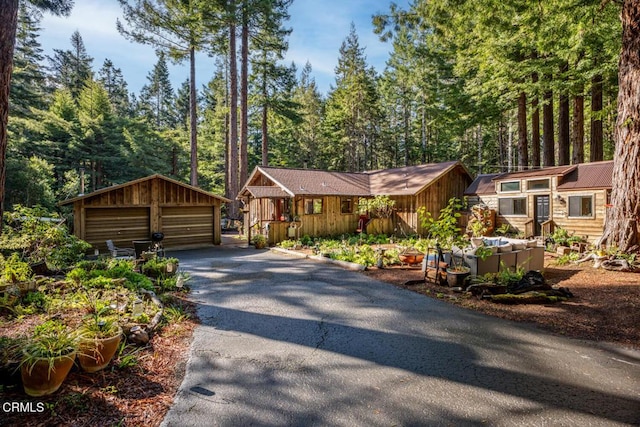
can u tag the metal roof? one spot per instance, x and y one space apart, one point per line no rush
408 180
483 184
588 175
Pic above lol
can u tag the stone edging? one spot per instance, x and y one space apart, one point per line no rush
343 264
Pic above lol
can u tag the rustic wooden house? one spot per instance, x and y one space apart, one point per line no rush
188 216
535 202
290 203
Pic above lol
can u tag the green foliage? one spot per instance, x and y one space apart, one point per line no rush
561 237
175 314
377 207
483 252
14 270
50 339
288 244
259 240
41 236
507 277
445 229
568 258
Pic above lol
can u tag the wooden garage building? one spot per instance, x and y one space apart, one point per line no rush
187 215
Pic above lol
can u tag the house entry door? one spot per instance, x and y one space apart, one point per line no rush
542 212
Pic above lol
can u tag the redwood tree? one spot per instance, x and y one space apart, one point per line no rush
8 26
622 228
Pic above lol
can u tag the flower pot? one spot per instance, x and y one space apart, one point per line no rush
45 375
456 278
95 354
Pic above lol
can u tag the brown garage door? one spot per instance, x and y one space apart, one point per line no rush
122 225
187 226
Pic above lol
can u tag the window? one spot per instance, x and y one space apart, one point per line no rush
346 205
580 206
510 186
312 206
538 184
513 206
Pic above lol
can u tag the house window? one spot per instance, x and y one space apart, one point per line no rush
538 184
346 205
312 206
510 186
513 206
580 206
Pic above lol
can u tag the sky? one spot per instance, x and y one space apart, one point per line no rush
319 28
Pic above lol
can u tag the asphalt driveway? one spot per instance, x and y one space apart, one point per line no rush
291 342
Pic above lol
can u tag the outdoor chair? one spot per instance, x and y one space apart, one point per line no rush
120 252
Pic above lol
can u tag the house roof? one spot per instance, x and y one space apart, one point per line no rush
408 180
483 184
266 191
588 175
137 181
573 177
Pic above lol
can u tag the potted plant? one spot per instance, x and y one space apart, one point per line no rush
47 358
259 241
99 340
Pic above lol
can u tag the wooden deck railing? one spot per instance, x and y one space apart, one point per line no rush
529 228
547 228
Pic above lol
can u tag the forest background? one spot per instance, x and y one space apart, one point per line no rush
500 85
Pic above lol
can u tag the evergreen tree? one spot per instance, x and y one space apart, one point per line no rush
114 83
71 68
8 26
28 87
307 131
352 111
177 28
157 100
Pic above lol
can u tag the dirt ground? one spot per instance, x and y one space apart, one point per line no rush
605 306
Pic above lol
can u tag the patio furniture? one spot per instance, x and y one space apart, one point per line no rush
117 252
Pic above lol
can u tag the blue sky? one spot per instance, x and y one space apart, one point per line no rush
319 28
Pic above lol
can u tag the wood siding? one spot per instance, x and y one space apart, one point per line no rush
262 212
121 225
133 211
588 227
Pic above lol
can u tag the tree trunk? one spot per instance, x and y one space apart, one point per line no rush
193 117
265 128
244 93
548 145
8 25
596 153
622 228
577 142
563 121
523 151
233 121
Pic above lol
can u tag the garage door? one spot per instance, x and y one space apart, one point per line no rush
187 226
122 225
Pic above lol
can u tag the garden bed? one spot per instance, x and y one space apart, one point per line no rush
604 307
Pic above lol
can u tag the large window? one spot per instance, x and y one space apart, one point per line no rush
346 205
513 206
537 184
509 186
580 206
312 206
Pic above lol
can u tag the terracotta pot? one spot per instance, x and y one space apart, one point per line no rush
41 378
95 354
411 258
